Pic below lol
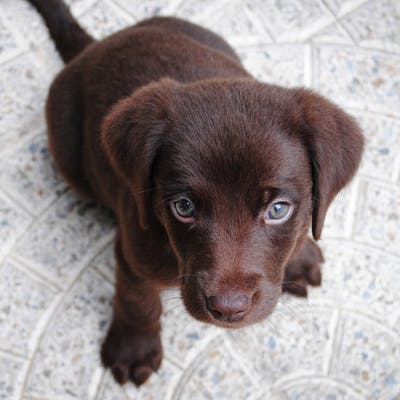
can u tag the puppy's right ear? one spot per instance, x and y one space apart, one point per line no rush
335 144
132 133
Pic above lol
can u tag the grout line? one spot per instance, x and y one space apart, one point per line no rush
22 372
337 337
55 307
245 365
34 221
13 354
41 325
91 256
26 270
94 386
383 326
352 211
367 245
360 49
347 11
292 380
308 65
371 113
104 275
190 369
129 17
17 200
9 198
87 6
259 26
329 350
173 383
23 265
125 10
339 21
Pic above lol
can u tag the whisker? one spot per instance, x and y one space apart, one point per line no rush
172 309
173 298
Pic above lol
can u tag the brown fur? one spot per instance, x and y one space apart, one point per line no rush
165 108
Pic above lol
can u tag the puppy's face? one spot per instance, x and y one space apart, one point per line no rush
240 169
234 196
233 215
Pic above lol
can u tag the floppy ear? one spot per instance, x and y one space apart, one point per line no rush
131 134
335 145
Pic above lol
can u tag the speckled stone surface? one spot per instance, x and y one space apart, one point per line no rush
56 252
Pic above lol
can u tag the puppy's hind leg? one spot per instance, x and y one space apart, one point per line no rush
64 114
303 269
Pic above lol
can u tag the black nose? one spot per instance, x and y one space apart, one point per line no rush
231 306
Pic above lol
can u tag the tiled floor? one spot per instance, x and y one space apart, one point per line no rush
56 263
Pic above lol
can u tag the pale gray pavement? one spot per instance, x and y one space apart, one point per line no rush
56 264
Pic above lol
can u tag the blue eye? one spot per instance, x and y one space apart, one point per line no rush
183 209
278 212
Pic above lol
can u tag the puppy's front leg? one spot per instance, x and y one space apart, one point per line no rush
132 348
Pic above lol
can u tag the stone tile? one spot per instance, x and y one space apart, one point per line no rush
65 238
48 59
158 387
216 375
104 19
293 340
24 300
67 361
184 344
332 34
78 7
359 78
378 221
148 8
10 377
340 7
381 158
381 31
105 262
198 11
367 355
340 217
351 280
29 174
26 23
272 394
8 44
23 89
247 29
319 389
277 64
13 222
292 20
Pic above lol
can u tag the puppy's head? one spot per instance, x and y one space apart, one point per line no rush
239 170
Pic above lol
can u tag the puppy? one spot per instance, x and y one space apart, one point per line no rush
214 177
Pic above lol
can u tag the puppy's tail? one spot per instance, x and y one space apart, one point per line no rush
69 37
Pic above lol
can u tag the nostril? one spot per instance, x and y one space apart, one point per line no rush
229 306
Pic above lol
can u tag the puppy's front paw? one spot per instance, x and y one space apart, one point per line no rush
303 270
131 355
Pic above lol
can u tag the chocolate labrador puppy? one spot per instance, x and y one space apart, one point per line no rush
214 177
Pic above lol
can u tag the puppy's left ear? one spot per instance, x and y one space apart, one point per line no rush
335 144
131 135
